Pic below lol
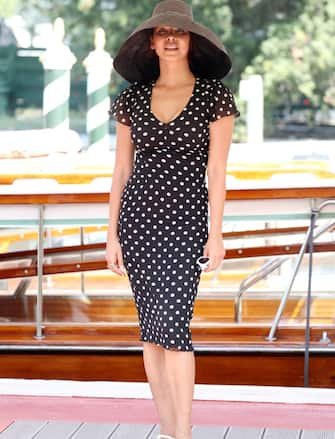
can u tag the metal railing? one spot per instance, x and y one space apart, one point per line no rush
310 239
319 231
44 220
252 279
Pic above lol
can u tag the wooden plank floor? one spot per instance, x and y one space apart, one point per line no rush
84 430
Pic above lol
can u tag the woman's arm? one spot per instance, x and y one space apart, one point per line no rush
124 158
220 140
220 133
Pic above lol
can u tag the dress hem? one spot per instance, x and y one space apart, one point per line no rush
166 346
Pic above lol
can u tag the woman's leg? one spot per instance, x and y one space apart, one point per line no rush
155 368
181 375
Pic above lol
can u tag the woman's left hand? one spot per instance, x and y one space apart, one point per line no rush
214 249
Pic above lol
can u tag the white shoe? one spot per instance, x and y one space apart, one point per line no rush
164 436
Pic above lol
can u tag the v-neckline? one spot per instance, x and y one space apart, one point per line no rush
152 84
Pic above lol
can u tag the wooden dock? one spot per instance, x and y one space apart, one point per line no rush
88 430
77 417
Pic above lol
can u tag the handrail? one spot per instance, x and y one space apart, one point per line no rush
100 264
317 233
310 239
264 232
103 197
252 279
260 273
64 208
10 235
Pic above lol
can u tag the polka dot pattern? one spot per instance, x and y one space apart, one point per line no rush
163 221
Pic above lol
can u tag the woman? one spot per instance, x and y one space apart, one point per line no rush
178 117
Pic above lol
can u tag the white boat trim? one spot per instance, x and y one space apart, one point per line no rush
204 392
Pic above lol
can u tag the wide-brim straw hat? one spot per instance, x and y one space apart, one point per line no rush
137 62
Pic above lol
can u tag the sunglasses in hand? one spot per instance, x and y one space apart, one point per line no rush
203 262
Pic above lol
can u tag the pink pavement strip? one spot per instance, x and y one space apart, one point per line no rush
116 410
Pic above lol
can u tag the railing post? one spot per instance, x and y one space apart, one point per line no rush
309 294
315 213
271 336
82 274
283 301
40 254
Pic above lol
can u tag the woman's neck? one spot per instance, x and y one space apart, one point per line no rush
174 74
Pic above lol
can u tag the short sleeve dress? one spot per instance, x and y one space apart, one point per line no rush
163 221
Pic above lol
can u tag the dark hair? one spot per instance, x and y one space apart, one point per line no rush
190 54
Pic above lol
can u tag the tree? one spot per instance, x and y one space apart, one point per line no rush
8 8
297 60
119 18
251 21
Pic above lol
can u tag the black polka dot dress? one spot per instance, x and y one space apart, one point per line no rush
163 221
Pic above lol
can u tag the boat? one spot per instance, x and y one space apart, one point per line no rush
60 305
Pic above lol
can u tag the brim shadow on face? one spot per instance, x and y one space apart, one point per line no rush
137 62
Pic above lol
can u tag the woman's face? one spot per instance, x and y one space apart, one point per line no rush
170 42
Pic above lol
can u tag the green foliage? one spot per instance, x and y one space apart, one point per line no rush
82 17
119 18
297 59
291 43
215 14
250 26
8 8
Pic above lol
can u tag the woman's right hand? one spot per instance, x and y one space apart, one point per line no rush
114 257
